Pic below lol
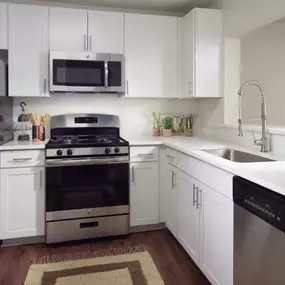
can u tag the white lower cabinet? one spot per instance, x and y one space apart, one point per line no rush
22 202
216 237
188 215
143 193
205 228
202 221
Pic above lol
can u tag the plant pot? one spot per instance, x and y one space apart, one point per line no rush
167 132
156 132
188 132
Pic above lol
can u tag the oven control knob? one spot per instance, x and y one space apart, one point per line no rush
59 152
117 150
107 150
69 152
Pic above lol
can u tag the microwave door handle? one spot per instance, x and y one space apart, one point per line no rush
106 74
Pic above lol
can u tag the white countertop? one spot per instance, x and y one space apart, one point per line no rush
268 174
23 145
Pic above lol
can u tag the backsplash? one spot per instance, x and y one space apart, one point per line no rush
133 112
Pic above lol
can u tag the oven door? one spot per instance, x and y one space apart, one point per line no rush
86 188
78 72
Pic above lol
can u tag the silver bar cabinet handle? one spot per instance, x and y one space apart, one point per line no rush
172 180
194 201
22 159
190 88
133 174
145 155
198 203
90 42
45 86
41 178
127 87
85 42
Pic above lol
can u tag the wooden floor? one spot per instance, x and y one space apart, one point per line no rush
171 260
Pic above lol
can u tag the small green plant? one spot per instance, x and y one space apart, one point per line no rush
167 123
156 120
190 120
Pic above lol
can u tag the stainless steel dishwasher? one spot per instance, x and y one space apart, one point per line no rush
259 235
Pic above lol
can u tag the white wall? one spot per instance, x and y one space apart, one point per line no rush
263 59
243 16
215 112
240 18
132 112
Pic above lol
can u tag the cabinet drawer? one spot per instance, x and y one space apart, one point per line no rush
172 156
87 228
214 177
23 158
144 153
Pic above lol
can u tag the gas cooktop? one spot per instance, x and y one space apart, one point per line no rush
85 135
86 140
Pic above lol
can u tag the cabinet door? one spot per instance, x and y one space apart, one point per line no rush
171 182
28 50
68 29
208 67
106 32
186 57
3 26
188 215
216 248
144 193
165 180
22 202
151 55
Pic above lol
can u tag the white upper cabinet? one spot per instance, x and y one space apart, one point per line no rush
200 48
89 31
106 32
151 56
144 193
22 202
216 248
68 29
3 25
28 50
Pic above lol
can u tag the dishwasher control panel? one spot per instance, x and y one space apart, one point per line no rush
262 202
262 208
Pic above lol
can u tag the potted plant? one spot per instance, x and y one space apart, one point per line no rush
156 124
190 120
167 126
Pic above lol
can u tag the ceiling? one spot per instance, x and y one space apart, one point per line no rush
163 6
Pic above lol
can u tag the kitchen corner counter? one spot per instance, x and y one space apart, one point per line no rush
181 142
23 145
267 174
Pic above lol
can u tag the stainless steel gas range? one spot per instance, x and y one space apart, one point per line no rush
87 178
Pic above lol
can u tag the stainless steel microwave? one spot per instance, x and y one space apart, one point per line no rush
86 72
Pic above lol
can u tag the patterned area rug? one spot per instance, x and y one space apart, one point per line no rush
127 269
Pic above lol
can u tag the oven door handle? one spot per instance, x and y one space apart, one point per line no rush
81 162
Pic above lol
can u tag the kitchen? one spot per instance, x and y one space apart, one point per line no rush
100 173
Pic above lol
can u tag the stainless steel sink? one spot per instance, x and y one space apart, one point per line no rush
237 156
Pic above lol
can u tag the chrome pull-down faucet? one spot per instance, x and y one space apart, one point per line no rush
263 142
